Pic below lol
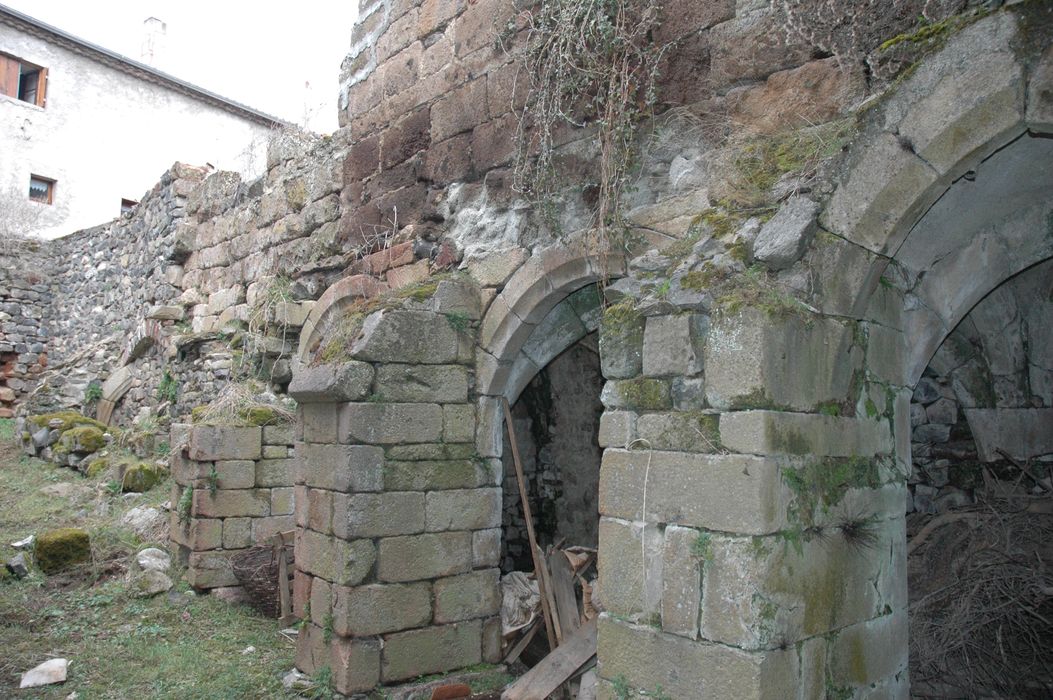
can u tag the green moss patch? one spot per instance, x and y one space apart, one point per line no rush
67 420
645 394
820 485
83 438
56 550
141 477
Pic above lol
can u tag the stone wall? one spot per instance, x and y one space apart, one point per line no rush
240 486
398 518
25 305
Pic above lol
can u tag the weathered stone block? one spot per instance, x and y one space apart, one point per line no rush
377 609
264 529
283 501
342 467
209 443
199 534
778 432
335 560
621 342
274 472
414 337
435 475
467 596
468 509
784 238
730 493
253 503
321 601
237 533
390 423
355 665
318 422
486 548
431 650
617 428
630 568
350 381
458 423
672 345
279 435
210 570
688 431
642 394
869 652
643 657
427 383
757 361
684 555
754 592
419 557
320 510
378 514
1040 95
557 331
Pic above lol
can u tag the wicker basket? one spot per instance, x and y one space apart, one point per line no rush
257 569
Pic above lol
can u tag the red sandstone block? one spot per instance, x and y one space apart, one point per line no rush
399 34
363 159
407 137
506 89
680 17
448 161
462 110
435 14
480 25
401 71
408 274
384 260
493 143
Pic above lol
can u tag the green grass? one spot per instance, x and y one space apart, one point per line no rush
118 646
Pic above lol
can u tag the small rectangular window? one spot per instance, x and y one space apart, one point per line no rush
41 189
127 205
23 81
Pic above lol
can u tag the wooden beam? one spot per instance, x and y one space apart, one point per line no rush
546 612
556 668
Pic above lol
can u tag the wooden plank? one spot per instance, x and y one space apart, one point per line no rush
9 73
524 641
548 598
553 670
546 611
562 576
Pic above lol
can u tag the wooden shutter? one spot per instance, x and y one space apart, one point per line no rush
42 86
9 72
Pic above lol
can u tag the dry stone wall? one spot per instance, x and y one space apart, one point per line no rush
232 490
25 305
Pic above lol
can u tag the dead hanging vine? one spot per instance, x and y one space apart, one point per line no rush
590 63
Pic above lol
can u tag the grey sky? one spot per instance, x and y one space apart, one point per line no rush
260 54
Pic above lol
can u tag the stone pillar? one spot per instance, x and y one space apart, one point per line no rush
398 518
752 538
233 490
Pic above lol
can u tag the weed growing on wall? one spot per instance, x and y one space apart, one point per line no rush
590 63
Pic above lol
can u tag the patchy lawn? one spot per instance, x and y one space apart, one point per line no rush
170 646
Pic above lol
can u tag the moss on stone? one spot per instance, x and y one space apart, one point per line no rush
67 419
419 291
140 477
821 484
622 316
261 415
83 438
60 549
97 467
645 394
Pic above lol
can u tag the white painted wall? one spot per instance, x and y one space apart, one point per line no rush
105 135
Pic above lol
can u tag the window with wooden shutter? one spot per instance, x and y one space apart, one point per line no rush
9 74
23 81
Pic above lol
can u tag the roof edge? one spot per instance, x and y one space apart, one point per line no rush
131 67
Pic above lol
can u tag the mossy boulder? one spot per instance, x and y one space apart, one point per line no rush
60 549
83 438
140 477
65 420
96 467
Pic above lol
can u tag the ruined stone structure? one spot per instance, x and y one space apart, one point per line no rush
768 368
